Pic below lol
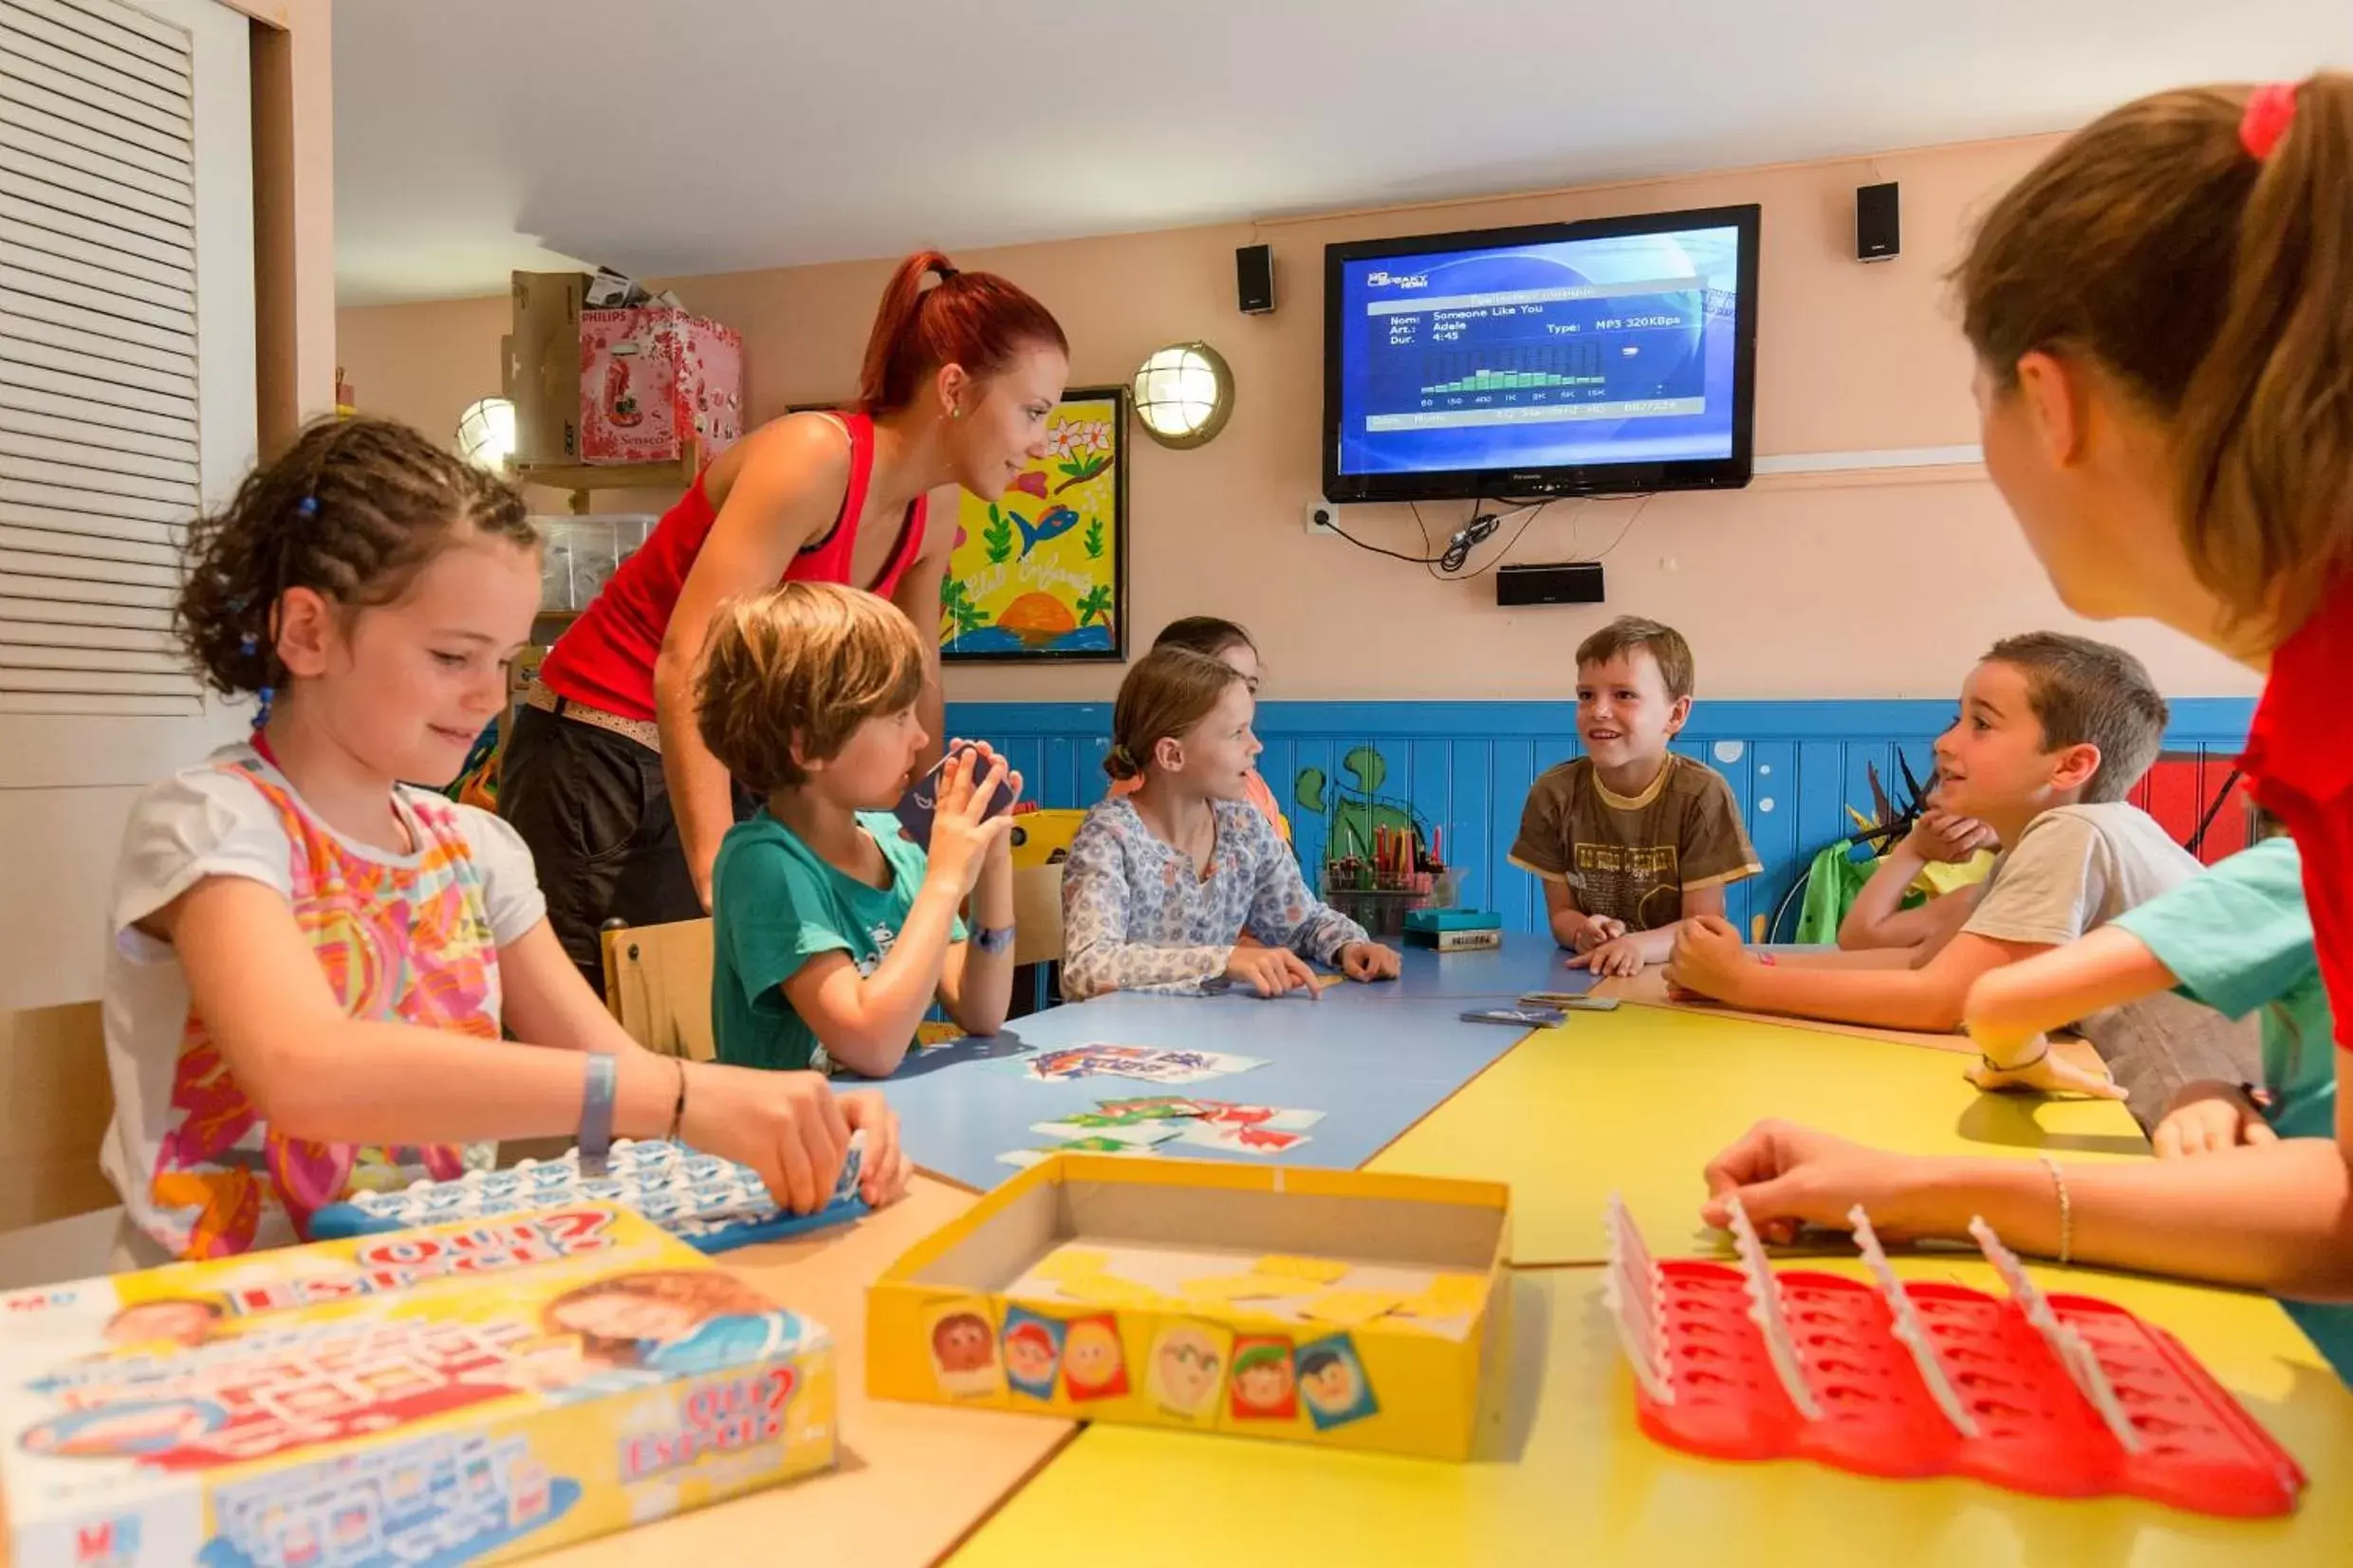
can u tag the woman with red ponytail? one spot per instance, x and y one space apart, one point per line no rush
605 775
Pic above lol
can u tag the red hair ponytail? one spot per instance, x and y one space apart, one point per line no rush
976 320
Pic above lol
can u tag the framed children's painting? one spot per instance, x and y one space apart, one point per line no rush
1040 573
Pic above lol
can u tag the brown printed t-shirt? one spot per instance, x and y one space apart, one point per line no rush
1632 858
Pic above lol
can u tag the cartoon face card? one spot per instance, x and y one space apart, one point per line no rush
1332 1381
1261 1388
1093 1365
964 1350
1032 1352
1187 1370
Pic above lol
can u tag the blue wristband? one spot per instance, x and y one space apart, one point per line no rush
596 1111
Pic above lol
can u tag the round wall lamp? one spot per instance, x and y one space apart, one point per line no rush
1184 394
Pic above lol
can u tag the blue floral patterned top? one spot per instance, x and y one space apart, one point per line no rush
1137 918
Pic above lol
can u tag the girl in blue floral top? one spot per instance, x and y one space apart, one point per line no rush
1158 882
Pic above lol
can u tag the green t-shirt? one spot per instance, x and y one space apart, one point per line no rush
2239 938
775 905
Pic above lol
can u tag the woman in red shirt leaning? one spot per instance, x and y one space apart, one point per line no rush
2163 313
605 775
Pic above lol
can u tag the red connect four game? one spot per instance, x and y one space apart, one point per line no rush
2061 1395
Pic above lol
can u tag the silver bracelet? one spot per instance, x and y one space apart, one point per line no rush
2066 1208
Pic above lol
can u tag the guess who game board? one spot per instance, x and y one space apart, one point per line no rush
2061 1395
467 1393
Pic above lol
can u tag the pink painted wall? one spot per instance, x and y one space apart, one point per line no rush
1863 586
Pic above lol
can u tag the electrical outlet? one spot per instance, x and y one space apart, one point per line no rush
1321 515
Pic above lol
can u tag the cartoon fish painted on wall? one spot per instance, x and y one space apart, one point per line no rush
1056 523
1029 483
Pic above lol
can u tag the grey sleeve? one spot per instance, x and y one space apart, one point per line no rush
2050 889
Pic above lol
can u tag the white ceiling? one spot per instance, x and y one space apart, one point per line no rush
472 136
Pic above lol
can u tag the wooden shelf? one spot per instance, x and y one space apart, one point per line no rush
582 479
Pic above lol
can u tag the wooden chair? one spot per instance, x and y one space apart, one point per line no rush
658 983
1037 928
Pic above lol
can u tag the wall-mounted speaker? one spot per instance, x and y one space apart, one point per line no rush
1253 279
1879 229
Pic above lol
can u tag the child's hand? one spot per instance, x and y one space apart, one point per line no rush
1941 835
1369 961
883 1170
2046 1073
962 831
1272 971
1788 1175
1592 931
1620 955
1708 958
2207 1117
786 1126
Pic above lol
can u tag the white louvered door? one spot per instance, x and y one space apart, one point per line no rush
126 404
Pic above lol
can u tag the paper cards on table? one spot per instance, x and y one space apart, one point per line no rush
1144 1063
1141 1125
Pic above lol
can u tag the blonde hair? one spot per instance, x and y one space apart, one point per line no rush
2209 271
1166 692
1666 645
807 662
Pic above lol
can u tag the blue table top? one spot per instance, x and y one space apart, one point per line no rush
1375 1059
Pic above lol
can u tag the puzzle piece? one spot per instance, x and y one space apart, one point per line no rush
1352 1308
1239 1287
1107 1290
1447 1296
1073 1262
1322 1271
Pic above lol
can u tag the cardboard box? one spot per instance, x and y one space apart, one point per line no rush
1338 1307
473 1392
654 380
542 365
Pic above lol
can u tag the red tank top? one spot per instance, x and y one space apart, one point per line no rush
606 659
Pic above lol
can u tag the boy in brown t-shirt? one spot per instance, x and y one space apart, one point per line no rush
1629 839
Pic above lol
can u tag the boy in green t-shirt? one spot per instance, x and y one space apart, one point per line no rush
833 933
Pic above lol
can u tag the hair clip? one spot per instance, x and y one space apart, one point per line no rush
308 506
260 709
247 643
2270 109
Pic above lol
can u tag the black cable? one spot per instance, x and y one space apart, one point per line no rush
1494 561
1630 523
1394 555
2197 839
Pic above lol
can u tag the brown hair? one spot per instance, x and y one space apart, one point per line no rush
976 320
807 662
1666 645
2216 286
711 1292
2083 690
352 510
1166 694
1204 634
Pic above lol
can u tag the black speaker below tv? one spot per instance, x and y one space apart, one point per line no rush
1564 583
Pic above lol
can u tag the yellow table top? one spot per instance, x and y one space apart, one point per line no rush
1570 1477
1640 1099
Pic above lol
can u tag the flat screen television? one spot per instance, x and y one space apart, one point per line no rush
1611 356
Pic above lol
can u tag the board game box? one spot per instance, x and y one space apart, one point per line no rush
1343 1308
465 1393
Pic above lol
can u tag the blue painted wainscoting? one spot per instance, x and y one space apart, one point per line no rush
1465 768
